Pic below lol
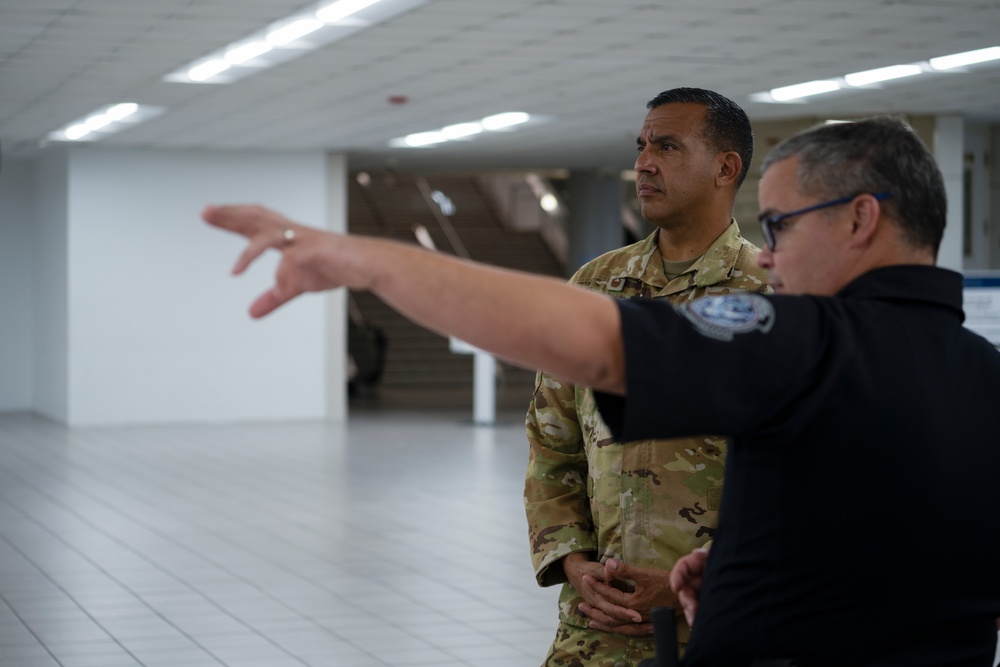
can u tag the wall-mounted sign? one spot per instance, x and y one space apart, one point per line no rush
982 304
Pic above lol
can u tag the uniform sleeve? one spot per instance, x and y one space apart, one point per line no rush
555 489
745 360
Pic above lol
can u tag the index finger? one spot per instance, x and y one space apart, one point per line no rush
242 219
262 227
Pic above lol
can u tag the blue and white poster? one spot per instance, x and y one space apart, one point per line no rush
982 305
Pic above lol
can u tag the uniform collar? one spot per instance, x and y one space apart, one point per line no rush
909 282
715 266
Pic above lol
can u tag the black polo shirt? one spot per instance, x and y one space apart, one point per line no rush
860 521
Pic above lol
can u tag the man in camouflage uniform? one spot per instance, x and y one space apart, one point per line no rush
592 504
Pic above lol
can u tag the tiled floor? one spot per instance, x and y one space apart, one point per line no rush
396 540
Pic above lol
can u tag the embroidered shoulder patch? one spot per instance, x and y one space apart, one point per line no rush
723 317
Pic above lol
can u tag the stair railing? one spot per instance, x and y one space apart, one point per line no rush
442 220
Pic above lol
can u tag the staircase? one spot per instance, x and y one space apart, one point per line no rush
420 370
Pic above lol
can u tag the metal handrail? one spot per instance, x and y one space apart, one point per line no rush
442 220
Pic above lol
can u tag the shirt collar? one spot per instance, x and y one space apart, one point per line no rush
927 284
713 267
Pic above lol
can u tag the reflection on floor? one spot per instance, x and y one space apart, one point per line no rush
398 539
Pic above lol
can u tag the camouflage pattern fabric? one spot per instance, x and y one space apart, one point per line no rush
579 647
646 503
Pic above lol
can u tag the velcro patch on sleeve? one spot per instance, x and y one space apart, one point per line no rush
722 317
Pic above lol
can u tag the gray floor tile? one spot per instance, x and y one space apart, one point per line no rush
396 540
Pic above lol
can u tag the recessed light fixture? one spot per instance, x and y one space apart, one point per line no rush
208 69
105 121
882 74
502 120
419 139
806 89
340 10
965 59
292 31
462 130
246 52
288 38
875 76
458 131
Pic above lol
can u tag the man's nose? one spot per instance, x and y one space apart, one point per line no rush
765 259
643 163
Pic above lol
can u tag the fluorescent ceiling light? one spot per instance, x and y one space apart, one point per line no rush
207 70
342 9
247 52
502 120
121 111
105 121
424 139
312 27
96 122
967 58
295 30
804 90
461 130
882 74
74 132
871 76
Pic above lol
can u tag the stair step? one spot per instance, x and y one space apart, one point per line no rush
415 357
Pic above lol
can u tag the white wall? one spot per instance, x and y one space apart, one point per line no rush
16 214
336 302
977 209
158 330
49 293
949 142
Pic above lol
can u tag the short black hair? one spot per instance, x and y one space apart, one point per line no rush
879 154
727 127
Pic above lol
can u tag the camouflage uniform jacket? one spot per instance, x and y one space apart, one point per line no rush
645 503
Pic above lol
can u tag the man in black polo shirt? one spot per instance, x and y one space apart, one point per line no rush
861 519
871 450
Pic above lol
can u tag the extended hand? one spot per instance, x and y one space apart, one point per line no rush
627 613
312 260
685 581
494 309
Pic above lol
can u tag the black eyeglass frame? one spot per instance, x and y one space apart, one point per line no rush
767 222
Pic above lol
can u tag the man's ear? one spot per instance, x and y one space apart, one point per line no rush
730 165
866 214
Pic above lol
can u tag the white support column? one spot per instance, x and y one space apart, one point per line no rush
484 402
949 143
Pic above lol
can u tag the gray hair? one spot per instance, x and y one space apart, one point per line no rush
880 154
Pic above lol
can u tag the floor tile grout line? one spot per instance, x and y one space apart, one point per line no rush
125 586
209 599
321 557
26 626
228 571
70 597
122 463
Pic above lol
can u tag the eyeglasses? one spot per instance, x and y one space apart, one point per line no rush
771 225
